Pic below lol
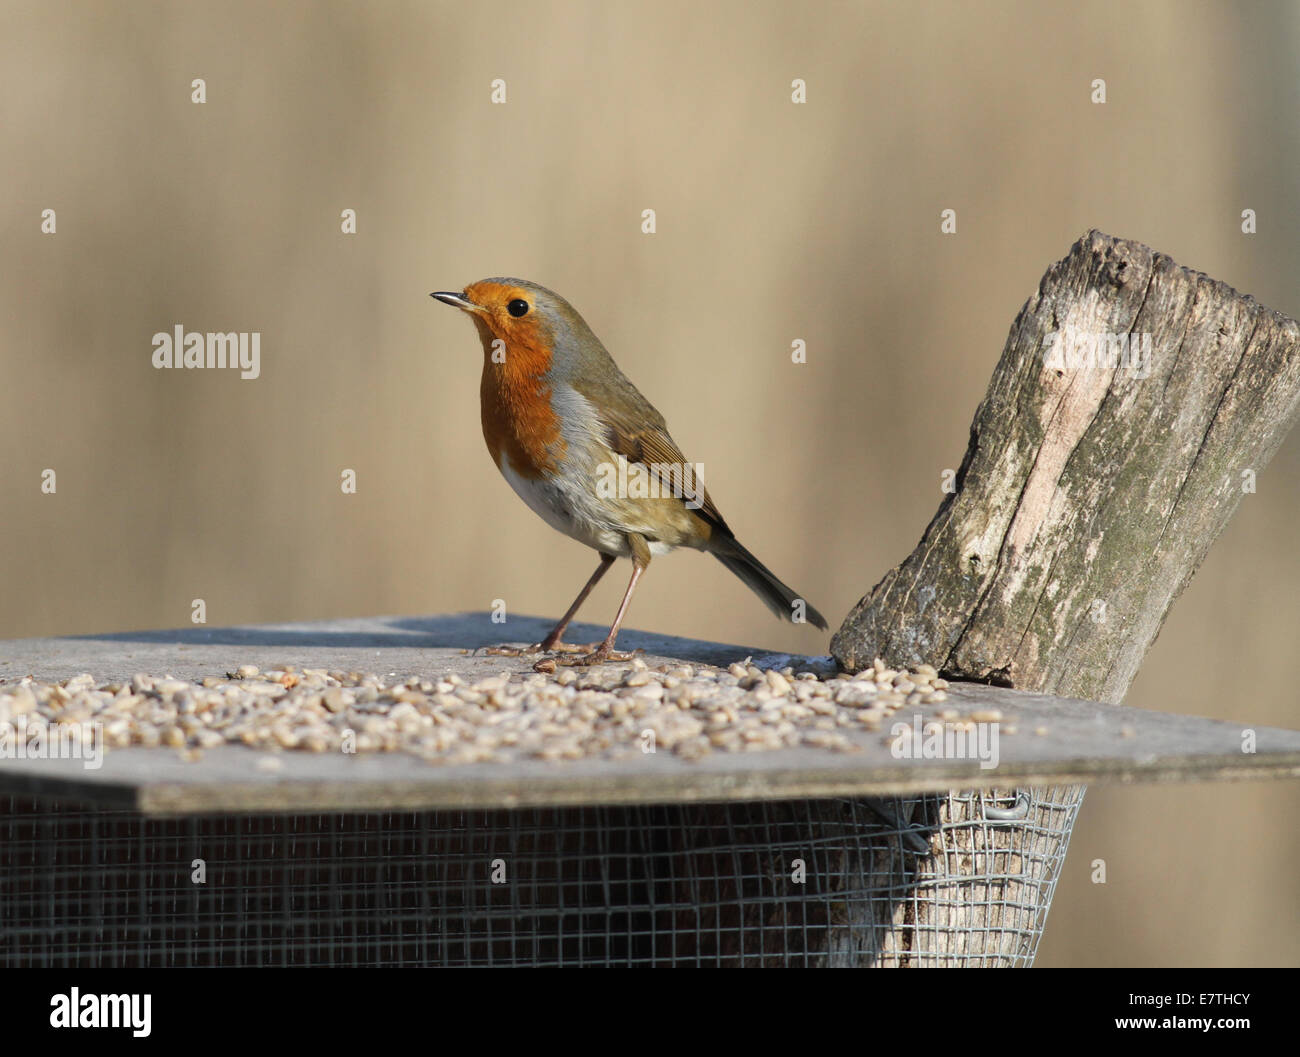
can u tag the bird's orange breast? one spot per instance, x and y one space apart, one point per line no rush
519 422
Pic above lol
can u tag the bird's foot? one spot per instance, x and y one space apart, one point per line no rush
602 654
571 655
511 651
539 647
567 647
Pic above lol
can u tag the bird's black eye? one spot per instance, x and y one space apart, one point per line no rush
518 307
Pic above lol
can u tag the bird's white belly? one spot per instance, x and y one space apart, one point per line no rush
571 507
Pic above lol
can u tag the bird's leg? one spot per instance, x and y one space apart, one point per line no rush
605 651
552 641
640 560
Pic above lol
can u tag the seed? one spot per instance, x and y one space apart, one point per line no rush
335 699
21 702
818 739
855 695
410 698
694 710
778 682
986 715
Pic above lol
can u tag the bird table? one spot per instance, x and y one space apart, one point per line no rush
1056 740
649 858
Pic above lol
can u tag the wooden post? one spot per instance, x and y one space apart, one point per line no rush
1133 405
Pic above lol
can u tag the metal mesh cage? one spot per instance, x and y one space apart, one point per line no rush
957 880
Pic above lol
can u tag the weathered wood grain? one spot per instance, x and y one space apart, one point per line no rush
1089 496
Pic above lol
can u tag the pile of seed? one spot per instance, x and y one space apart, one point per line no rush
607 711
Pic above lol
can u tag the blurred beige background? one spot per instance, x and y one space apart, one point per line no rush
775 222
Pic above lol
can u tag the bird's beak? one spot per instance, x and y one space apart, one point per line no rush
455 300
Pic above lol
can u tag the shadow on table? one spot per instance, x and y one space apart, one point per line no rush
456 631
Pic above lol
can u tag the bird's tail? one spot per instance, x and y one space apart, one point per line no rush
782 600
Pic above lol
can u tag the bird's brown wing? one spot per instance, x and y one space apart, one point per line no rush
653 448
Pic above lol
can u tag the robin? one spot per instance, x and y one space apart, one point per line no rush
581 446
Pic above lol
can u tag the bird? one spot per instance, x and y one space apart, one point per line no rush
591 456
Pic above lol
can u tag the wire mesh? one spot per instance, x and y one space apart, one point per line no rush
965 879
